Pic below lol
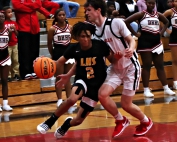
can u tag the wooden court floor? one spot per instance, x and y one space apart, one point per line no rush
20 125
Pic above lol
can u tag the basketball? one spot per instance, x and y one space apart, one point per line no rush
44 67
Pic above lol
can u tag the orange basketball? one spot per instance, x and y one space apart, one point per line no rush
44 67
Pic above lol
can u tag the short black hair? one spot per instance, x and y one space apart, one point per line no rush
97 4
6 7
82 26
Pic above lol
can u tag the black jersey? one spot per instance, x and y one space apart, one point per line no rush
91 66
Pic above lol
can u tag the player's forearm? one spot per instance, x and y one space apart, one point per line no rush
72 71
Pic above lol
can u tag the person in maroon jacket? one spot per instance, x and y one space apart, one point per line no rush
28 37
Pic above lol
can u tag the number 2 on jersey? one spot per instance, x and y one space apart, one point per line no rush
90 72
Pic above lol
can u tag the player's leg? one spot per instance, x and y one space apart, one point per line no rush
131 81
110 84
77 91
126 103
158 62
70 122
146 58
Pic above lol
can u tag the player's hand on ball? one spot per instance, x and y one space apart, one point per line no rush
63 80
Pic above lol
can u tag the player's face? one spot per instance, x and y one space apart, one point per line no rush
2 18
85 39
61 16
92 14
8 13
150 4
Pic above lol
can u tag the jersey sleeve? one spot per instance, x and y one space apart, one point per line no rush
70 51
120 27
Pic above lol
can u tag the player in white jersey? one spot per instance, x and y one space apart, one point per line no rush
150 45
126 70
5 61
59 37
173 40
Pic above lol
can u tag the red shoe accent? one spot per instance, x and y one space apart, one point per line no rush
143 128
120 126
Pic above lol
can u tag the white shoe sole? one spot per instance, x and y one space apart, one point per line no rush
41 130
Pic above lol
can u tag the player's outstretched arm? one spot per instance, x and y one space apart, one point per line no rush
64 78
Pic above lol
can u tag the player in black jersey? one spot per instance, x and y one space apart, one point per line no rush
90 73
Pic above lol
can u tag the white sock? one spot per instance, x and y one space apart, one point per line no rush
118 116
145 119
5 102
60 100
175 82
146 89
165 87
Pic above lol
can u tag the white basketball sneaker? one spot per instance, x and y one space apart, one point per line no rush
148 93
169 92
7 108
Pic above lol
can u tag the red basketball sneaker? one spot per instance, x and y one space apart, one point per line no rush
120 126
143 128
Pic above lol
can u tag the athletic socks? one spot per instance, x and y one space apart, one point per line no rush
145 119
118 116
66 125
50 122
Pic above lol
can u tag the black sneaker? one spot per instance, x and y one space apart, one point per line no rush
9 79
17 78
61 131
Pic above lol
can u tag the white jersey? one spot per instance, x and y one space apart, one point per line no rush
62 36
150 23
174 19
4 39
113 32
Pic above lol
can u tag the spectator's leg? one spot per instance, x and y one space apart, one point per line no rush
24 53
66 9
15 65
34 50
75 7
